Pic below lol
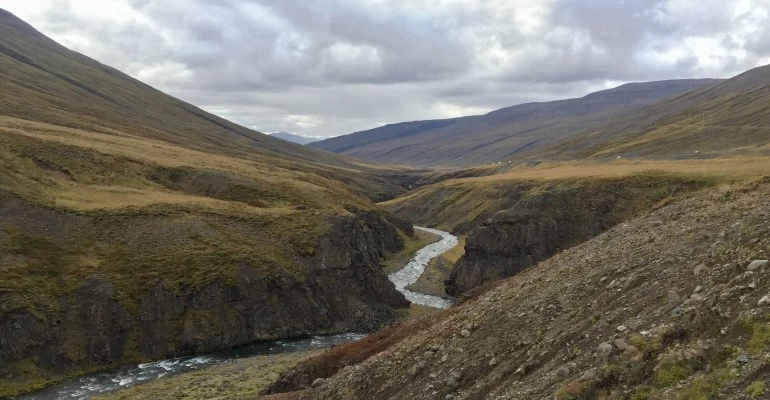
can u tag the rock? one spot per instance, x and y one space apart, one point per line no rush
563 372
621 344
604 350
633 354
697 289
697 297
757 264
465 333
621 328
493 362
588 375
672 296
318 382
444 358
765 300
414 370
655 286
701 268
428 354
677 312
742 359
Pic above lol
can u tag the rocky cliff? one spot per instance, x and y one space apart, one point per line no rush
547 218
512 224
129 309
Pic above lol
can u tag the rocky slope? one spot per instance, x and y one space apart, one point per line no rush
513 224
672 304
501 134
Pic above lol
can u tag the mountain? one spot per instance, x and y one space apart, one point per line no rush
135 226
726 119
294 138
503 133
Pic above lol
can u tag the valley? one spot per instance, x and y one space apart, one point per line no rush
610 246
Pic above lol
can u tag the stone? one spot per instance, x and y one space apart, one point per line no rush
428 354
742 359
621 328
588 375
765 300
414 370
621 344
697 297
604 350
633 354
701 268
672 296
698 289
655 286
757 264
493 362
318 382
677 312
465 333
563 372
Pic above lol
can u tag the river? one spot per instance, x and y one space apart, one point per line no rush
86 386
412 271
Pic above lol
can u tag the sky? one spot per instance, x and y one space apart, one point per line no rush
330 67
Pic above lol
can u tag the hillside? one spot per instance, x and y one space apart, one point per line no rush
503 133
726 119
293 138
669 305
134 226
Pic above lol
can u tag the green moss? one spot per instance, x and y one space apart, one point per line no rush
670 372
756 389
642 393
706 387
760 337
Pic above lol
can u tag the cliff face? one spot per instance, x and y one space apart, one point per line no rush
523 223
115 316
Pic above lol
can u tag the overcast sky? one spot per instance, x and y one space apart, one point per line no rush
330 67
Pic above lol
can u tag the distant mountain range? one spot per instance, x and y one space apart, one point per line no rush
291 137
504 133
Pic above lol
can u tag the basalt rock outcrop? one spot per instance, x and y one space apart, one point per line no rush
551 217
116 316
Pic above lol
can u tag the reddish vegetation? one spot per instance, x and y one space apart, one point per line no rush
328 363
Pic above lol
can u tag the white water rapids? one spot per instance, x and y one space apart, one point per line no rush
412 271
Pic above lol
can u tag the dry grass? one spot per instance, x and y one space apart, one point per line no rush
737 168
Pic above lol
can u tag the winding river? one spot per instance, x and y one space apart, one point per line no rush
90 385
412 271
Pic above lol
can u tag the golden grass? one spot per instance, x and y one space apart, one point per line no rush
105 198
117 189
722 167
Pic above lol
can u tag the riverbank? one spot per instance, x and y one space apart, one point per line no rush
232 380
416 266
242 373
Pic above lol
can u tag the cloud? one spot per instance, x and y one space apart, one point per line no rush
329 67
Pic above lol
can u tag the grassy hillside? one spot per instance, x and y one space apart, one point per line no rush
727 119
500 134
134 226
